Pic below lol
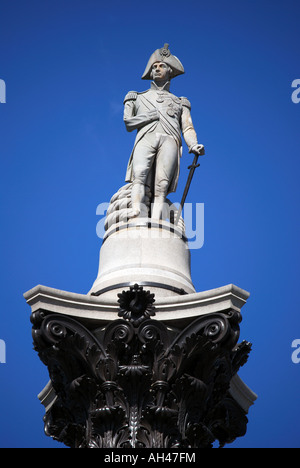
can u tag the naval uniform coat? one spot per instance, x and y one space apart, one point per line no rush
174 119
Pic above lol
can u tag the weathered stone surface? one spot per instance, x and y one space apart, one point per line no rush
175 311
144 252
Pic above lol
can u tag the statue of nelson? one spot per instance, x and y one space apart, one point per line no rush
159 118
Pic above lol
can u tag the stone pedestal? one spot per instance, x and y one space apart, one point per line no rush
152 254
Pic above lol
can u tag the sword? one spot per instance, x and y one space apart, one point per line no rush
192 169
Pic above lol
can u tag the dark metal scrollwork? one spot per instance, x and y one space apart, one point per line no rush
135 385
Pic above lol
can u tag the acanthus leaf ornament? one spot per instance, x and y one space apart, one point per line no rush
132 384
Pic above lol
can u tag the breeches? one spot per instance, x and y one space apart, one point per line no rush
156 154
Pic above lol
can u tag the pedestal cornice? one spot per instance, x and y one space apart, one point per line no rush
176 310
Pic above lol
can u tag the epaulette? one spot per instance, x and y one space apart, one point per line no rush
185 102
131 96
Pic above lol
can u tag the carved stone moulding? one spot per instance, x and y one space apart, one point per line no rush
137 382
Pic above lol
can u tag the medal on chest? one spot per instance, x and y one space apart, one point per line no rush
160 97
171 110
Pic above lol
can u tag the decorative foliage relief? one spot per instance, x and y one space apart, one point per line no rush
137 384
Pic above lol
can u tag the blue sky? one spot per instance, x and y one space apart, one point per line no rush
64 149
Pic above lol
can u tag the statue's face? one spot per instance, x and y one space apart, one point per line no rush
160 71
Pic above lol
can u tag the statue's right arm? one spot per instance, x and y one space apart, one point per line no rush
134 121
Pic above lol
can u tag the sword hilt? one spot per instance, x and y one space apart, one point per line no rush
193 166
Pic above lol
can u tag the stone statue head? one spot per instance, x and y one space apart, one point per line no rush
160 72
163 56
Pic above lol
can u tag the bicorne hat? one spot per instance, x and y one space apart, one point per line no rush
164 55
